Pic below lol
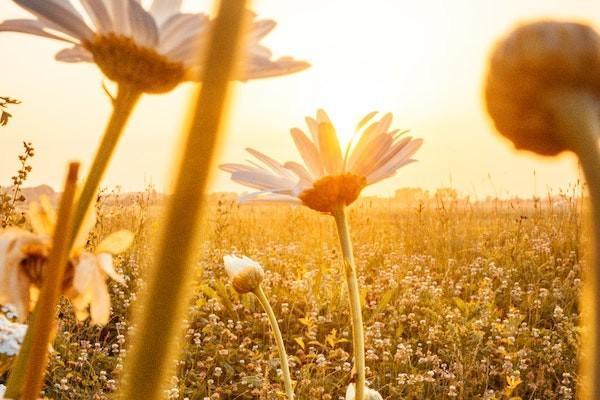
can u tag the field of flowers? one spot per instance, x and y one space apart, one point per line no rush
461 301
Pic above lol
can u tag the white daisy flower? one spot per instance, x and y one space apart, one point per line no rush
329 178
151 50
24 255
370 394
245 273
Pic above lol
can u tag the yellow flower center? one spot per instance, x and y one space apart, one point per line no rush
124 61
331 192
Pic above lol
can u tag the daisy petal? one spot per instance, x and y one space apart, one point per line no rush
74 55
100 305
143 27
116 242
299 170
61 13
257 67
329 147
32 27
99 14
180 28
162 10
105 261
119 12
309 152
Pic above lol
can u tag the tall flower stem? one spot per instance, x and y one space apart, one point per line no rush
355 307
578 117
167 294
285 368
123 105
26 380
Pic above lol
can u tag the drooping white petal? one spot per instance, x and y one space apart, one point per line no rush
142 25
268 197
99 14
162 10
270 162
100 304
33 27
257 67
105 262
263 180
61 13
74 55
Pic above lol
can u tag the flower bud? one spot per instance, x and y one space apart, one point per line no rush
533 62
370 394
246 274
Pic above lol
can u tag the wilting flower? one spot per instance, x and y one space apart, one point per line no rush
532 62
329 178
370 394
150 50
24 256
245 273
11 338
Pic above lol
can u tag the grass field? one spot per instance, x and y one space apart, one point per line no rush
461 301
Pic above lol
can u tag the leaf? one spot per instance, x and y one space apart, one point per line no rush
300 342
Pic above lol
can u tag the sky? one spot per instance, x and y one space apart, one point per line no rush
424 61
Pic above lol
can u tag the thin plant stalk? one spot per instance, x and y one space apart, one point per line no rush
358 342
285 368
123 105
26 383
578 116
166 297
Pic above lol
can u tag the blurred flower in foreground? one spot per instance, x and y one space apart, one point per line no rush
370 394
543 93
11 338
330 179
245 273
150 50
529 65
23 258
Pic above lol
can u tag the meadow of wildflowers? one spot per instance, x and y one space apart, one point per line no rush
191 296
484 308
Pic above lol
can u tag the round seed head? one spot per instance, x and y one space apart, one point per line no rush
531 63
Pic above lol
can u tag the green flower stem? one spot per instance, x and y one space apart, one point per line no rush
26 380
123 106
578 117
166 297
285 368
355 306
